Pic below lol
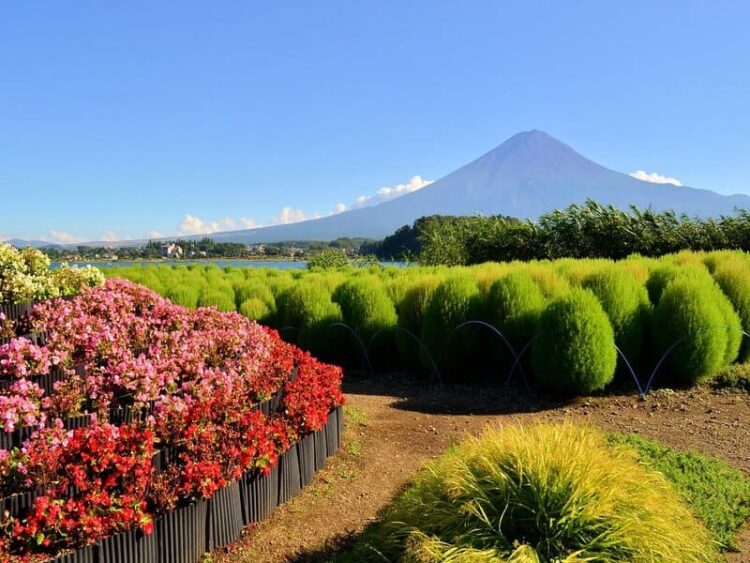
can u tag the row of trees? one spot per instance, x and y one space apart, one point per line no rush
590 230
209 248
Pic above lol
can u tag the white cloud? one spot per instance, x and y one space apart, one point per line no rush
110 236
655 178
288 215
192 225
389 192
154 234
4 236
61 237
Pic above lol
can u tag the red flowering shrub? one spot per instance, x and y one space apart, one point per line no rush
313 394
196 377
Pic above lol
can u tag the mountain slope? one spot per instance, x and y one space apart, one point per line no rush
529 174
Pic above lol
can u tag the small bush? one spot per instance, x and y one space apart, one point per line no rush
549 281
575 353
411 311
734 281
513 305
662 275
718 494
307 318
688 310
249 289
541 493
222 300
626 304
184 295
255 309
329 258
367 309
735 377
454 301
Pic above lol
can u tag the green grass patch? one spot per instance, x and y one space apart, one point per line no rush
354 416
718 494
735 377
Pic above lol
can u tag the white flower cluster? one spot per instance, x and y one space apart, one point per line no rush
25 276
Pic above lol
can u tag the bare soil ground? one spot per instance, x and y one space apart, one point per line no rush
394 428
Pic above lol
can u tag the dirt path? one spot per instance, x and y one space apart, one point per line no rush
394 429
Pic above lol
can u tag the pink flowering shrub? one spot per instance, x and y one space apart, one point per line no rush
20 405
195 376
21 358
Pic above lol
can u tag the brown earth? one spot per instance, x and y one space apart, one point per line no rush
395 427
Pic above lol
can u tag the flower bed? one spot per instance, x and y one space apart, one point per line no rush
199 400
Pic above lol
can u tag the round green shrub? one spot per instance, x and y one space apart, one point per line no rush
367 309
411 311
255 309
182 294
626 303
540 493
454 301
734 281
688 310
575 352
365 306
222 300
254 289
307 318
513 305
662 275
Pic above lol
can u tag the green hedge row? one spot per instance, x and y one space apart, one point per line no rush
569 317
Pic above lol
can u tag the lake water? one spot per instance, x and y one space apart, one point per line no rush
279 264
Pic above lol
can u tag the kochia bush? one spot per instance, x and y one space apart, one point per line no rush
367 309
411 310
688 311
575 353
626 303
307 317
734 280
454 301
513 306
255 309
222 300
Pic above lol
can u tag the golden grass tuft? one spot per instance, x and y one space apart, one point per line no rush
543 493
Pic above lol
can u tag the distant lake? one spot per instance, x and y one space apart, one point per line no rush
279 264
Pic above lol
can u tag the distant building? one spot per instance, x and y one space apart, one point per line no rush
171 250
294 252
256 250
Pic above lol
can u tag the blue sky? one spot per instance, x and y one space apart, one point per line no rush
124 119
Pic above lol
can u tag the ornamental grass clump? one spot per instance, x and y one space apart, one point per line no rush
542 493
691 318
575 352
